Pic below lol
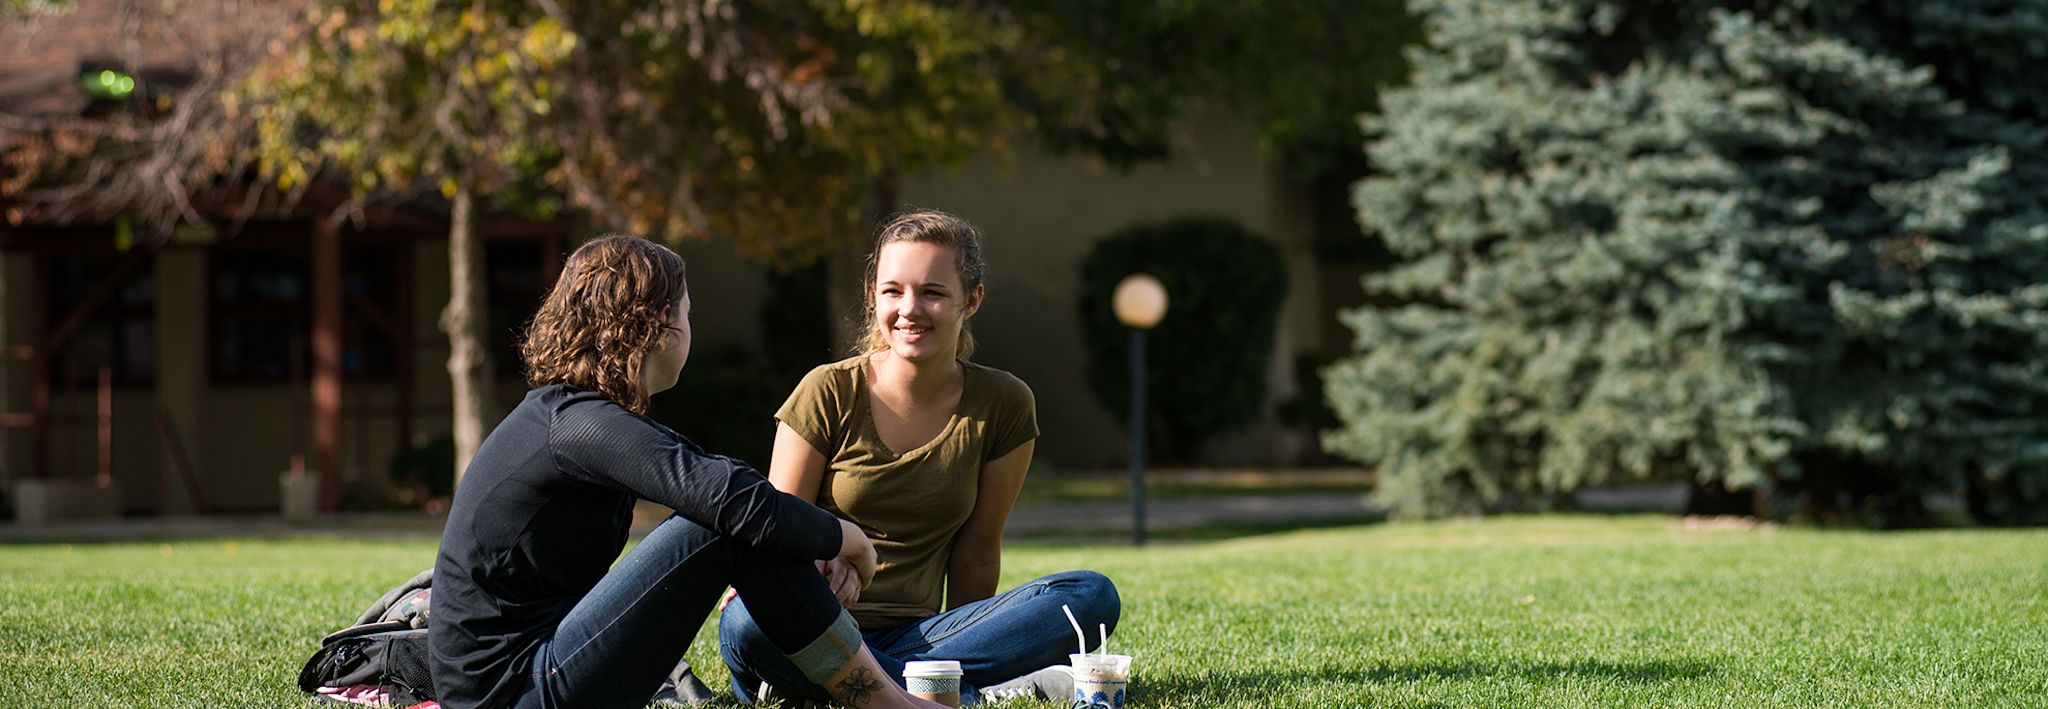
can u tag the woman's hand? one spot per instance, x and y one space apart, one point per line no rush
857 552
840 577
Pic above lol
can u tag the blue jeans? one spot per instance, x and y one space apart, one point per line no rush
618 644
995 639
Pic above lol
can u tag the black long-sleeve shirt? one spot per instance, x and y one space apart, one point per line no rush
544 510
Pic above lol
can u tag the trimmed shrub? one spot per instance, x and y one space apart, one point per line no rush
726 402
1206 372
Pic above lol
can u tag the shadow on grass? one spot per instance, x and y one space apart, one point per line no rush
1213 687
1633 672
1214 531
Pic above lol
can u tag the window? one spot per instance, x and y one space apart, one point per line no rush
119 335
262 313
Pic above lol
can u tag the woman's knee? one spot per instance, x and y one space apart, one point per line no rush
685 539
1091 594
737 631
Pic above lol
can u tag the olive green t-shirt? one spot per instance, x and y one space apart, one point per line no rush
910 503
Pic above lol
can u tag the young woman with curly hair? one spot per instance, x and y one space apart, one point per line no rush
528 608
926 451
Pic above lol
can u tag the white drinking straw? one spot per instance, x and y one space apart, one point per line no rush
1103 630
1079 635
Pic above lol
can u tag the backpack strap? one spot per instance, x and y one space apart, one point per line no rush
423 579
364 629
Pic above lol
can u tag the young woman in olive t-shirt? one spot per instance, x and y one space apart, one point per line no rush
926 452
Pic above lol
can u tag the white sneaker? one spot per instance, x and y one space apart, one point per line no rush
1054 683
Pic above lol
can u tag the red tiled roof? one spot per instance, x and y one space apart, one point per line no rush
41 57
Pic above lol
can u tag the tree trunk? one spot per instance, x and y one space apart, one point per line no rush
847 266
465 320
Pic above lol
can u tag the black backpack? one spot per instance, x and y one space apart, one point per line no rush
386 648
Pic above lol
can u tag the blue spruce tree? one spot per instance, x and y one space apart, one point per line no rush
1745 245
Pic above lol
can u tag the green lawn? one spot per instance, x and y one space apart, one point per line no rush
1569 611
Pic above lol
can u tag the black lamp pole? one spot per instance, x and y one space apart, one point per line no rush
1138 436
1140 303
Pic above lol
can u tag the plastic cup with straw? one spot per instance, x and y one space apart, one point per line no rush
1080 636
1100 679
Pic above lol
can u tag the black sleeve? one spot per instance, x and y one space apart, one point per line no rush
599 441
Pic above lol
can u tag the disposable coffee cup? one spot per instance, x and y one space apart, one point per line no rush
1100 681
935 680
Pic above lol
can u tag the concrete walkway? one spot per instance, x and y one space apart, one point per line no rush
1105 517
374 525
1160 515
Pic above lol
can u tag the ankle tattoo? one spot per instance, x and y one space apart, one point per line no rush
859 686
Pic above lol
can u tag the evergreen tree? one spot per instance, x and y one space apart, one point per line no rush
1733 244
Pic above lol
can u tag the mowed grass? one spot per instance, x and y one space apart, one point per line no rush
1564 611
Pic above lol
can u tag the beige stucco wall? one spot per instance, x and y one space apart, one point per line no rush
1039 214
181 385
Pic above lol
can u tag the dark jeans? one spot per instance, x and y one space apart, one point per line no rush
618 644
995 639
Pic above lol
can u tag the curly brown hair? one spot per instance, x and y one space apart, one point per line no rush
924 227
611 306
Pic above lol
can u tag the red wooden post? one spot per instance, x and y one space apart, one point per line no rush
298 407
105 477
327 361
39 380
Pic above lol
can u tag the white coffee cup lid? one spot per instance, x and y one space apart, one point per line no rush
930 668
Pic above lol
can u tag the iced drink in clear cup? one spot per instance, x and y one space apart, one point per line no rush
935 680
1100 681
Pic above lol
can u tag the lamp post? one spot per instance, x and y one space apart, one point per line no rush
1140 303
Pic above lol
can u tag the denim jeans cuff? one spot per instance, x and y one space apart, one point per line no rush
831 651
